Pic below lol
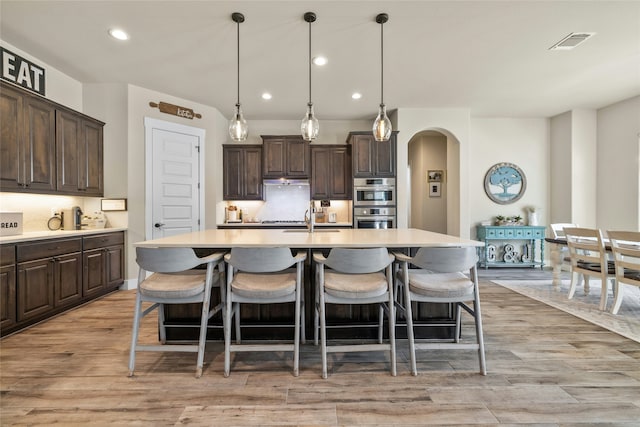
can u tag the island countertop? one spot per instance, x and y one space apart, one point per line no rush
320 238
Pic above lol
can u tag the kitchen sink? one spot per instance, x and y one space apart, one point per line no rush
304 230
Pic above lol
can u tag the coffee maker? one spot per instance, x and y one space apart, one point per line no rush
72 218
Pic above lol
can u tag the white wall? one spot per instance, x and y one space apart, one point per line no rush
618 153
584 165
523 142
454 123
560 169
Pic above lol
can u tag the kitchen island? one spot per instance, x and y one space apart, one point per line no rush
263 322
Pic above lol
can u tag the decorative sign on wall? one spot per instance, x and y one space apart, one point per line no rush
176 110
505 183
20 71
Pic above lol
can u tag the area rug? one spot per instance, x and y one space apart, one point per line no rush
625 323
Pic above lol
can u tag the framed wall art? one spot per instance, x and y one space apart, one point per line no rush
435 176
505 183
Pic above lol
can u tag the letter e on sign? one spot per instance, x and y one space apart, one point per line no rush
16 69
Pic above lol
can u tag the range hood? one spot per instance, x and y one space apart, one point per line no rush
285 181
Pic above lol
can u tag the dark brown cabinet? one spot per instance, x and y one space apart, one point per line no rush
372 158
79 154
47 148
39 279
7 286
103 263
27 140
331 172
285 157
49 276
242 172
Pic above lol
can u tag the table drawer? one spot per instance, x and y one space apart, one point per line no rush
103 240
48 248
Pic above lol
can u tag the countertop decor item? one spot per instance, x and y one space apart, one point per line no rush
505 183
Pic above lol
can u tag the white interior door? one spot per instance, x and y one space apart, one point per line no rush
174 176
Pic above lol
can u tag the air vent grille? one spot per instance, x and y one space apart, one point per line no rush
571 41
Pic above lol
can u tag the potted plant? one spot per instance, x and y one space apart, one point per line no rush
499 220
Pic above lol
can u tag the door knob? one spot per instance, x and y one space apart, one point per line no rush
158 224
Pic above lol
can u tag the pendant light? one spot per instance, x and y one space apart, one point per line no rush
382 124
238 129
309 126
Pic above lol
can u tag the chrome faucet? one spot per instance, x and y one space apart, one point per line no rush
310 220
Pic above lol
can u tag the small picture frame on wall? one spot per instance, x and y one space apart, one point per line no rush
435 189
435 176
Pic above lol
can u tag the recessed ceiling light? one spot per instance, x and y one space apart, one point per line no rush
119 34
571 41
266 96
356 95
320 60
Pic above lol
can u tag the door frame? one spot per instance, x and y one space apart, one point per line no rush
149 125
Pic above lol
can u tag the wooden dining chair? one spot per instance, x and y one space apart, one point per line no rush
262 276
625 246
443 275
174 280
589 259
354 277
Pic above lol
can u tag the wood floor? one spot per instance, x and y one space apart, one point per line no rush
545 368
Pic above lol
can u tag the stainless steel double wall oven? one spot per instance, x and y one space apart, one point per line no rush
374 202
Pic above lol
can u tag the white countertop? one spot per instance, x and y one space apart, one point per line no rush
47 234
284 225
300 238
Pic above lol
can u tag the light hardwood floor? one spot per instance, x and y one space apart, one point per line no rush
545 367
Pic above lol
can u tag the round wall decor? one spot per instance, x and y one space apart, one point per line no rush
505 183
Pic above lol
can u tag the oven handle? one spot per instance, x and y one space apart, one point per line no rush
375 188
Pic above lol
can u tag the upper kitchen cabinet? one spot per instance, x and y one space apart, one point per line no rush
372 158
47 148
79 154
285 157
27 140
331 172
242 172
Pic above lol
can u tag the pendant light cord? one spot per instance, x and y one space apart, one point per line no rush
309 62
382 63
238 61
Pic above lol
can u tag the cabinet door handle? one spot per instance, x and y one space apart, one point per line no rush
158 225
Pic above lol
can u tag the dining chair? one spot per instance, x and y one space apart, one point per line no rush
262 276
442 275
589 259
174 280
355 276
625 246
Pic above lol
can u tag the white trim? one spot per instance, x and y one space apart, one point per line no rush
150 124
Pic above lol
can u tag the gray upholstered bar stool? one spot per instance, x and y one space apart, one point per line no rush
262 276
173 281
355 276
440 278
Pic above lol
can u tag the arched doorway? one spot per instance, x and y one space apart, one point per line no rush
434 171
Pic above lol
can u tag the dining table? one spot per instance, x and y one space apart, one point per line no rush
439 320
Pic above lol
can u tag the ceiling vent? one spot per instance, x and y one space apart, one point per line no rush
571 41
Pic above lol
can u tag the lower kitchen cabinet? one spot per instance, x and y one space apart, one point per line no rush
103 263
7 286
49 276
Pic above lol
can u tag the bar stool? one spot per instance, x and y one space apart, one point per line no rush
262 276
173 281
440 278
355 276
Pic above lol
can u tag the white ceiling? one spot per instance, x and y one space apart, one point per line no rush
491 57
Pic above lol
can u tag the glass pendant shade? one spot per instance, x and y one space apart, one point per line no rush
238 129
309 126
382 125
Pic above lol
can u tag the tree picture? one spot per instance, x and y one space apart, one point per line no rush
504 183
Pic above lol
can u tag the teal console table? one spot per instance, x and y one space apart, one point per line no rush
511 246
